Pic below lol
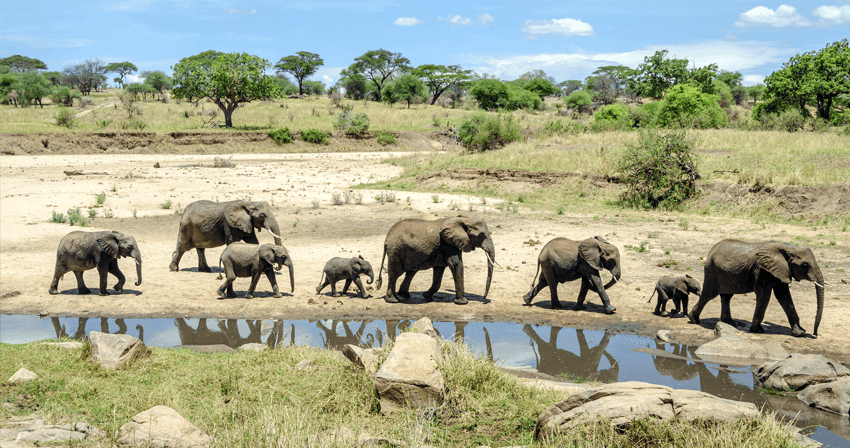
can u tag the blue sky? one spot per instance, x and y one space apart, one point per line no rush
567 39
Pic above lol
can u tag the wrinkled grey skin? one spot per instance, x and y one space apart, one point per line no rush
207 224
564 260
251 260
676 287
737 267
413 245
80 251
348 269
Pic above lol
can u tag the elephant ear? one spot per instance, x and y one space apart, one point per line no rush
108 244
267 253
454 231
356 265
589 251
682 286
773 259
238 218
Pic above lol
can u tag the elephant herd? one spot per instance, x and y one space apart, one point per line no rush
412 245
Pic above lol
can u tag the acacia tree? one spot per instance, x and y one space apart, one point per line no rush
378 66
569 86
84 76
228 79
406 87
122 68
300 66
440 78
657 74
618 76
21 64
158 80
541 87
33 87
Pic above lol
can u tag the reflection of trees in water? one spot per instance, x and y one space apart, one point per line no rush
228 333
553 360
80 334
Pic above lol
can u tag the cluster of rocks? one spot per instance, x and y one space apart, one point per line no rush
818 382
35 431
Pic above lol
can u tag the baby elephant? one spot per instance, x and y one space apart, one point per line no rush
251 260
338 268
81 251
676 287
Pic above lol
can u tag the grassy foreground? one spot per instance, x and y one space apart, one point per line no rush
260 399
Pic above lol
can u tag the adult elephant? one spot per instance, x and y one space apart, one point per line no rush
564 260
80 251
738 267
207 224
413 245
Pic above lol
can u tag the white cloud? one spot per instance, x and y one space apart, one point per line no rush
129 79
42 43
751 80
237 11
558 27
783 16
407 21
328 80
485 19
837 14
459 20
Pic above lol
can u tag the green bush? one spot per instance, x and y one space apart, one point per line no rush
65 96
316 136
660 170
644 116
613 112
482 132
281 136
76 218
491 94
687 106
578 100
135 123
65 117
57 217
519 98
559 127
351 123
386 138
103 123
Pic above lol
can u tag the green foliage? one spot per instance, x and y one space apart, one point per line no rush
32 87
22 64
482 132
386 138
314 87
731 79
58 217
351 123
377 66
657 74
135 123
100 198
613 117
440 78
65 96
284 84
300 65
520 98
569 86
157 80
103 123
407 88
76 218
660 170
316 136
685 105
122 68
578 100
139 88
541 87
568 128
65 117
166 205
491 94
281 136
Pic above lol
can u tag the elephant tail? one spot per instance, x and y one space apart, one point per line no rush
381 269
653 295
534 280
219 272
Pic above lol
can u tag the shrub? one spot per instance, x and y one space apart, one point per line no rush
64 117
386 138
135 124
57 217
687 106
519 98
316 136
491 94
613 117
65 96
103 123
76 218
660 170
482 132
351 123
281 136
578 100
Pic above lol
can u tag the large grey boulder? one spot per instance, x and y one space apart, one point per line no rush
831 397
364 358
799 371
22 376
722 329
116 351
425 326
739 347
410 377
162 426
621 403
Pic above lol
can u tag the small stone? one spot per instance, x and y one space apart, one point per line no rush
22 376
724 329
49 435
70 345
254 347
305 365
162 426
663 335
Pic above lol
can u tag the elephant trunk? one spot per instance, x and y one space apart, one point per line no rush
288 263
138 257
274 230
371 277
490 252
818 280
277 265
615 275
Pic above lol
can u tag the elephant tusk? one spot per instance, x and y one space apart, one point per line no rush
818 284
492 261
273 234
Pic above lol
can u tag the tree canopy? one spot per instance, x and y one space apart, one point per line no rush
540 87
84 76
657 74
731 79
158 80
227 79
440 78
21 64
377 66
122 68
300 66
406 87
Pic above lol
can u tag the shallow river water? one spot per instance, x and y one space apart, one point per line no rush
565 352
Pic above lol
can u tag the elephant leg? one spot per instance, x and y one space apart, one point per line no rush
582 294
404 288
322 285
183 245
704 298
662 302
596 281
273 281
57 275
783 296
202 260
255 278
726 309
681 305
113 269
455 263
360 285
102 272
435 284
346 286
542 283
333 288
549 278
81 285
393 273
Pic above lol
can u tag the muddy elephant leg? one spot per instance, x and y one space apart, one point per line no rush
436 282
582 294
202 260
455 263
346 286
360 285
393 273
542 283
113 269
103 272
183 245
596 281
333 288
404 288
783 296
81 285
662 302
57 275
706 296
726 309
255 278
273 281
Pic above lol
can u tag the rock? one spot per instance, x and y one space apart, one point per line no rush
361 357
162 426
49 435
254 347
8 433
411 376
305 365
621 403
539 383
663 335
367 439
70 345
799 371
22 376
831 397
116 351
424 326
724 329
212 348
738 347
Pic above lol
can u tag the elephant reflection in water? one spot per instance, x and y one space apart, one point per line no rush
62 332
332 340
228 333
722 385
553 360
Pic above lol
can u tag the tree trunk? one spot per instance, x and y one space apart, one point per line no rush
228 123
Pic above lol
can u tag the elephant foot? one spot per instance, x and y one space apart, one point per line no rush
389 298
53 291
364 296
231 296
249 296
609 309
756 329
118 288
580 307
692 319
103 292
204 269
527 298
658 313
460 301
83 291
221 293
173 266
277 295
336 294
318 289
428 296
797 332
404 294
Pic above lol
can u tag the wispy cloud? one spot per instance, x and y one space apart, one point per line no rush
485 19
407 21
459 20
836 14
558 27
751 80
328 80
482 19
43 43
239 12
783 16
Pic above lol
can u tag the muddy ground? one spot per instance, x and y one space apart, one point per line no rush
32 186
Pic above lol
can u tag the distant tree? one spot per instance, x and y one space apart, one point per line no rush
618 76
284 84
300 66
491 94
137 88
118 81
578 100
122 68
536 74
354 85
756 92
228 79
8 84
407 87
541 87
703 77
739 94
55 78
314 87
440 78
830 75
569 86
158 80
21 64
602 88
378 66
657 74
32 87
84 76
731 79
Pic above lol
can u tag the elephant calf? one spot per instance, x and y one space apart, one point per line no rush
676 287
348 269
251 260
80 251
